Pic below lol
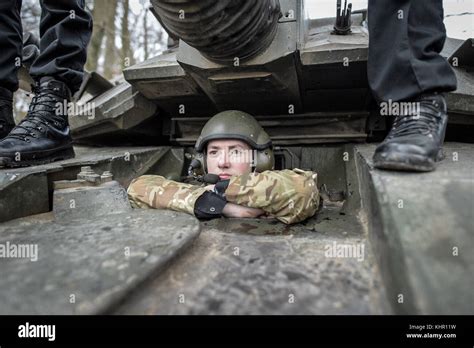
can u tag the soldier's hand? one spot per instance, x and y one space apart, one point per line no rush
237 211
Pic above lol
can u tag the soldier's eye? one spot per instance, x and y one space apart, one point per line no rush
235 152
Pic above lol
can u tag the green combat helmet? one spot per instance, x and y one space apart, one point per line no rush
234 124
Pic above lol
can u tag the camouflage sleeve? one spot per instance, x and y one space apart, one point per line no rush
290 195
153 191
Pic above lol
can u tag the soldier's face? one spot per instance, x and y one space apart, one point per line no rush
228 157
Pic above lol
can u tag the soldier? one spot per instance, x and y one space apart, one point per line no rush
43 135
406 37
233 146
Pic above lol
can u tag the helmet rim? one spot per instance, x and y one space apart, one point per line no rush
202 142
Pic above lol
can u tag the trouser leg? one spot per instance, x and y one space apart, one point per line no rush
11 37
65 32
406 37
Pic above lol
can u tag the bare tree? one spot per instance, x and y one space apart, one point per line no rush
110 48
145 28
125 22
100 23
127 56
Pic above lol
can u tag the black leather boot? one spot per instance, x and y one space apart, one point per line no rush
415 141
43 136
6 112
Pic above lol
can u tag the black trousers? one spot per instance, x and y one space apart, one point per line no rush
406 37
65 31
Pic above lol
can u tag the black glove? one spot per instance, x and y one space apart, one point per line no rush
209 205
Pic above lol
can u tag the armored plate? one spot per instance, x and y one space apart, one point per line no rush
251 266
27 191
87 265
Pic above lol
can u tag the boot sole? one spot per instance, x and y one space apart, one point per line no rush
412 164
55 155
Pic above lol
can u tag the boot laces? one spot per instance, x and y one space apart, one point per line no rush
38 117
424 123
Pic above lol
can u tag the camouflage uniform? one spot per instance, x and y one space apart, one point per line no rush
290 196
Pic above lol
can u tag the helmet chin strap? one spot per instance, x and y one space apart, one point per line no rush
254 161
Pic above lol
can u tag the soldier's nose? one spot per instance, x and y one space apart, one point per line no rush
224 161
224 164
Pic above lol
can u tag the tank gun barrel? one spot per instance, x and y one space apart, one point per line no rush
221 29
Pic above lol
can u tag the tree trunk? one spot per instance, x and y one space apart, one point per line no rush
110 49
145 31
127 56
99 17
